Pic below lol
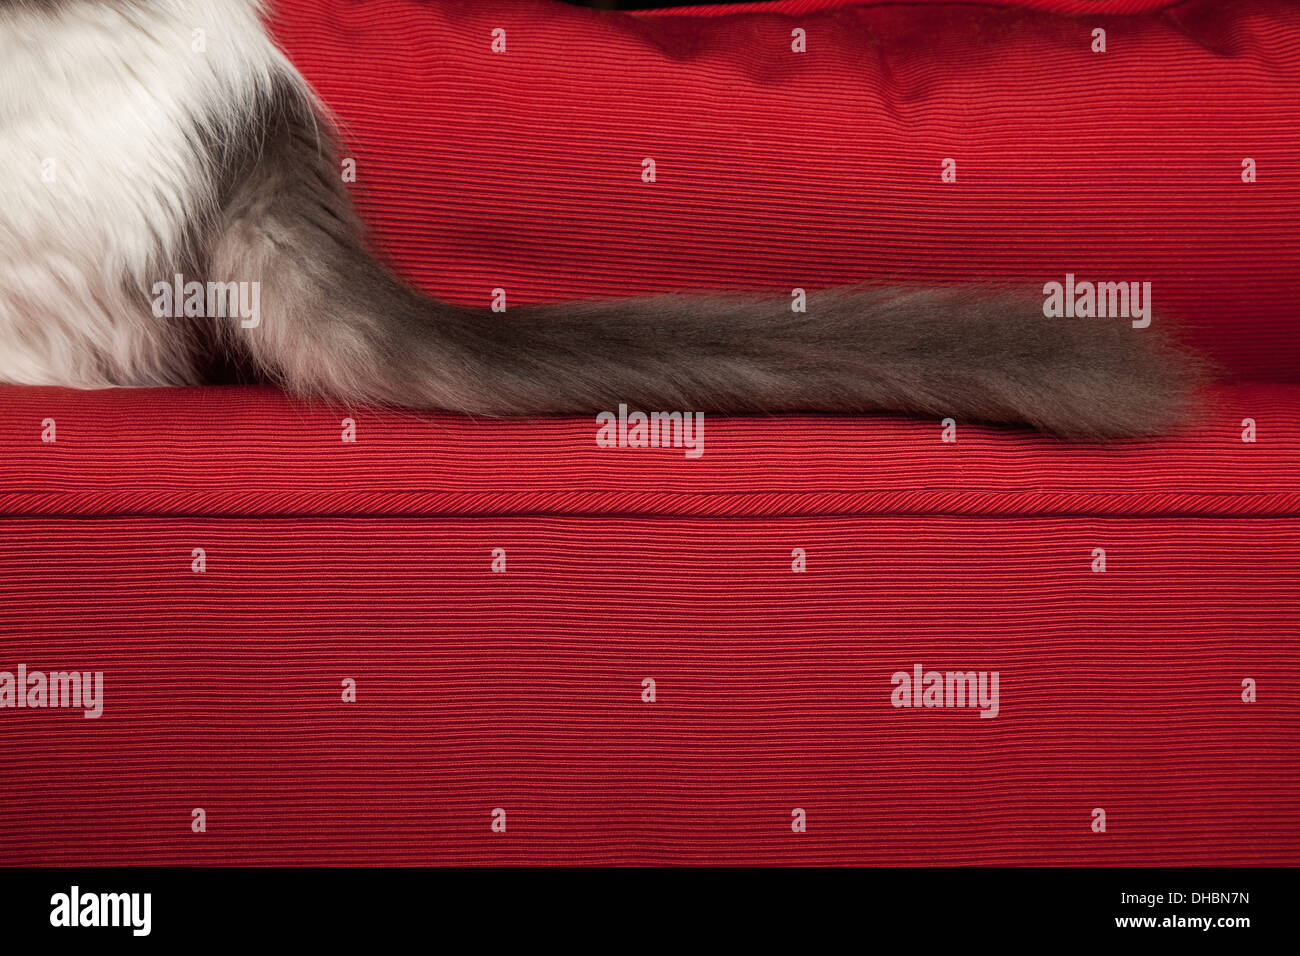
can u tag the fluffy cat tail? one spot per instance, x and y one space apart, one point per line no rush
337 323
971 353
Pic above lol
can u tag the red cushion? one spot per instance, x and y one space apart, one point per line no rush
522 170
522 690
245 451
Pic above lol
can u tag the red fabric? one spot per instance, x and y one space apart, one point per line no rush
522 170
240 451
522 690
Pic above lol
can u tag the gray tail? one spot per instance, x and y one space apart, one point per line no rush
972 353
337 323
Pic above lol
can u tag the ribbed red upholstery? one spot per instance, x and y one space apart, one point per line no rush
237 451
522 689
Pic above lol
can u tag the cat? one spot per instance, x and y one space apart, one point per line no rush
129 159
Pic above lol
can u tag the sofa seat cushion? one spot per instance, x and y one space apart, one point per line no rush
254 451
499 593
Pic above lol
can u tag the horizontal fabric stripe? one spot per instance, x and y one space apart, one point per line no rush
522 690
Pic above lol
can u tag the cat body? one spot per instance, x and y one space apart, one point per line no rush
103 113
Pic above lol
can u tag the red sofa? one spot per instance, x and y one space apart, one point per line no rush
376 636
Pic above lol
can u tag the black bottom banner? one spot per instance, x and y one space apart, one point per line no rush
1170 908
